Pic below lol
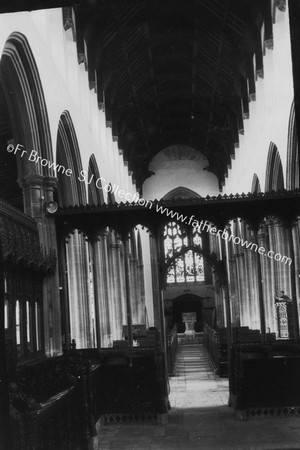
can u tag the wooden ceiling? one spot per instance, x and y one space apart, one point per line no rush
175 72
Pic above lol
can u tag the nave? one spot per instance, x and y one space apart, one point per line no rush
149 189
200 418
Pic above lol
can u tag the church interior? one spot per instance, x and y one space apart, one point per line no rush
149 224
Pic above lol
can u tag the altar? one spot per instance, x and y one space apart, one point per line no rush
189 319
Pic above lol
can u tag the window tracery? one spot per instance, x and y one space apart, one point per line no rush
188 267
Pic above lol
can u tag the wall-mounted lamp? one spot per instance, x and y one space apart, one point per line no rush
51 207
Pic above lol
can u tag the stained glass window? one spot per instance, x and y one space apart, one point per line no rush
188 267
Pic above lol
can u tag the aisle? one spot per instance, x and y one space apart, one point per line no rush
199 418
195 384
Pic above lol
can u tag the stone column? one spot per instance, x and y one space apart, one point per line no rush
128 291
272 284
224 280
281 247
111 288
116 297
134 289
219 292
291 228
142 315
63 290
247 309
101 288
258 240
233 284
220 311
242 289
251 266
121 267
296 240
78 279
94 242
86 294
157 301
277 275
38 190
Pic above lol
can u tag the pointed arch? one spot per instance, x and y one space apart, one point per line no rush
292 167
22 86
95 191
71 191
274 171
255 187
181 192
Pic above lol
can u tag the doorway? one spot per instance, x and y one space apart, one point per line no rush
185 304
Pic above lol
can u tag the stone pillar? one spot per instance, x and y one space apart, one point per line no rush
277 273
264 280
134 289
233 284
252 272
111 288
219 292
78 283
224 280
271 278
140 268
38 190
281 247
258 239
157 302
121 267
116 297
247 309
101 289
268 273
94 241
296 240
128 291
291 228
242 291
220 311
63 290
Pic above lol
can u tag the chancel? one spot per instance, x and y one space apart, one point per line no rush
149 224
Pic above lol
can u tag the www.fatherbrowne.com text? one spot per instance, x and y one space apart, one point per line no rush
101 183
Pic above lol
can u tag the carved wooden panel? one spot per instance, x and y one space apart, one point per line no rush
19 241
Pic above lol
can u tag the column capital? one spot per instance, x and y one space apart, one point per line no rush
36 179
99 235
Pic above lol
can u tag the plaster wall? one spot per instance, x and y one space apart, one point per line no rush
65 85
269 115
179 165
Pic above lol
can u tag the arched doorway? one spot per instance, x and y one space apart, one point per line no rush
187 304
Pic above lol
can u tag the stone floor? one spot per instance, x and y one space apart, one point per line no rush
200 418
